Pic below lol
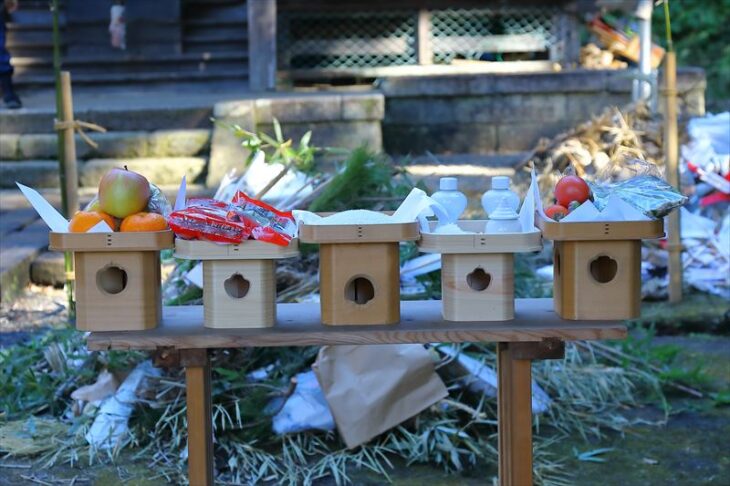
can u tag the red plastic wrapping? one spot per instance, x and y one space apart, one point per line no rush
206 219
268 223
244 218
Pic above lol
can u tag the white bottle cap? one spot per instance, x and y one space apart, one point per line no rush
448 183
500 182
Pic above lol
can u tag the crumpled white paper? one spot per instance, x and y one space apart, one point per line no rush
111 424
305 409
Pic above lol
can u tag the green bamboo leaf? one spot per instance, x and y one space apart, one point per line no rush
277 131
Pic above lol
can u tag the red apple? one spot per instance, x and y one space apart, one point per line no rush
123 192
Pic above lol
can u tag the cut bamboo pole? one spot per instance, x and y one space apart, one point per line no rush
672 173
71 182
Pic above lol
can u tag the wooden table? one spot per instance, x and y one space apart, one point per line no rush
536 332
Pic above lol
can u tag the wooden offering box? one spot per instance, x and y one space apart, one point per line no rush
239 281
117 278
359 270
477 270
597 267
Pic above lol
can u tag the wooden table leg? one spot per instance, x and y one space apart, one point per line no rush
514 417
200 419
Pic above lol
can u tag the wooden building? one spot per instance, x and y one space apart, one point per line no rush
262 40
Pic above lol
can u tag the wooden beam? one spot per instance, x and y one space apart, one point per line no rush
261 44
550 348
514 415
301 325
424 52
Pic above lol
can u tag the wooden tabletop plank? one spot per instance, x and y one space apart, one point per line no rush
299 325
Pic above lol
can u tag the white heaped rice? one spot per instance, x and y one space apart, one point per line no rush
356 216
450 229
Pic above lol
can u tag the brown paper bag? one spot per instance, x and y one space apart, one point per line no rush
373 388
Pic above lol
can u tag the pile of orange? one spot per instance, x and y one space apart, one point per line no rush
83 221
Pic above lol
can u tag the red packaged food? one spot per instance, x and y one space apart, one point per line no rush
267 223
207 219
213 220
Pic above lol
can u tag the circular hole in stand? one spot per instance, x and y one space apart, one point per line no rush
236 286
111 279
603 269
360 290
478 280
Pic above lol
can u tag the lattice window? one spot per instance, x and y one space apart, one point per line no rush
472 33
346 40
316 40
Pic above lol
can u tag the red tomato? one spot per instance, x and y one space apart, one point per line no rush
556 212
571 188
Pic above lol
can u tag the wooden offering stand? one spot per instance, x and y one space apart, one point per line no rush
117 278
359 270
535 333
477 270
239 281
597 267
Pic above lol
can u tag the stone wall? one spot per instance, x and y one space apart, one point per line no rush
343 120
477 113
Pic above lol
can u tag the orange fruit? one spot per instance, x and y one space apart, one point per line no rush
83 221
144 222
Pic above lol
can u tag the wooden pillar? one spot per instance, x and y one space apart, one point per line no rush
514 406
671 148
200 418
424 52
261 45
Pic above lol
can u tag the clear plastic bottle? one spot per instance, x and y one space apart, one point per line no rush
450 197
500 190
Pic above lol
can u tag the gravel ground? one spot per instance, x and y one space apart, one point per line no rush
38 308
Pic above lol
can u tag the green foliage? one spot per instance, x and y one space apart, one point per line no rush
37 376
701 38
367 180
664 360
721 398
277 149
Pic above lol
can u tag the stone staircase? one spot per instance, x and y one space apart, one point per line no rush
29 153
208 43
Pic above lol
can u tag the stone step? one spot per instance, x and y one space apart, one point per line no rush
160 143
127 78
474 171
17 251
13 201
159 170
44 173
209 62
48 268
30 120
33 173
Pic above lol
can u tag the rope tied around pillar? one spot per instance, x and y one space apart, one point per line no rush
78 126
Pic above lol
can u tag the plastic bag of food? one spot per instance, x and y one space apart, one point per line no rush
652 195
267 223
208 219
